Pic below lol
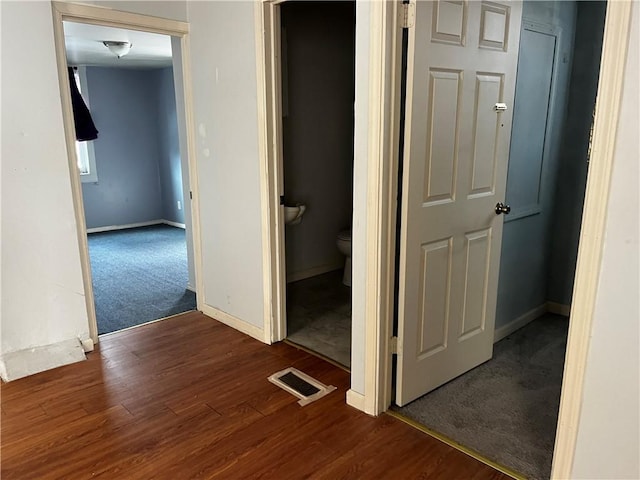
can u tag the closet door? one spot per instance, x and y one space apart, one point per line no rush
461 73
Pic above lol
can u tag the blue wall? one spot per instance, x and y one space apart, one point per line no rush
572 177
526 240
539 251
134 111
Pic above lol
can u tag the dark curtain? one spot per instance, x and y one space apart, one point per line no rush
85 128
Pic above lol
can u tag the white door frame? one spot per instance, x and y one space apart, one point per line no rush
377 212
267 18
63 11
612 66
383 148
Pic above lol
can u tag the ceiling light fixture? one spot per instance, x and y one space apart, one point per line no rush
119 49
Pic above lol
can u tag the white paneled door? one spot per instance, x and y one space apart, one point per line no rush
462 59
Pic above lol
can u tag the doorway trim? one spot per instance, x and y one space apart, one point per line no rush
612 69
382 161
63 11
267 20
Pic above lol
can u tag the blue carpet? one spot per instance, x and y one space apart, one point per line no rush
139 275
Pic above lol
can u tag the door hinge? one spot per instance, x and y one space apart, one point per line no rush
407 15
393 345
191 195
281 199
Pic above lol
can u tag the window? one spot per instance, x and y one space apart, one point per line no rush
84 150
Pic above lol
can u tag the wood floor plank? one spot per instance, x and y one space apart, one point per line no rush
31 456
188 397
34 426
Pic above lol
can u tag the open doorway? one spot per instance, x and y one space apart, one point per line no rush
131 174
131 183
318 88
506 410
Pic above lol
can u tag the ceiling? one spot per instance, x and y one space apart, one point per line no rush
84 47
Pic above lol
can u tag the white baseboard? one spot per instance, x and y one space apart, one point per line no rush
87 345
559 309
110 228
312 272
355 400
30 361
191 288
519 322
234 322
174 224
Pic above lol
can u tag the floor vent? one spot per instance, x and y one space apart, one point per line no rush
304 387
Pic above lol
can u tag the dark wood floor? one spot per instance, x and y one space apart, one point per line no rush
189 398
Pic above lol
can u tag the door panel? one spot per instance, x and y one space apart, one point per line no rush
444 96
488 93
461 61
434 305
477 255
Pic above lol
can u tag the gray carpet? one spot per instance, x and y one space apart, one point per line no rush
139 275
319 316
507 408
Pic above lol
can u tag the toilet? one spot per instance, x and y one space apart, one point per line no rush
344 246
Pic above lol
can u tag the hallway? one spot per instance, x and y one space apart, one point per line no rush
188 397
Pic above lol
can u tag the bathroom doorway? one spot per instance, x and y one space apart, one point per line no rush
318 90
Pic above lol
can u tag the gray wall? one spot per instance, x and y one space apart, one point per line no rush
526 240
318 130
137 148
169 152
572 177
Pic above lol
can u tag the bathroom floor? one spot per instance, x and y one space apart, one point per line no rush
319 316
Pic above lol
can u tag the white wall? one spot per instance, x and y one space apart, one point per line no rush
223 61
42 293
174 10
44 302
223 76
609 428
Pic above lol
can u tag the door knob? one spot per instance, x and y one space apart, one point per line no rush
502 208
